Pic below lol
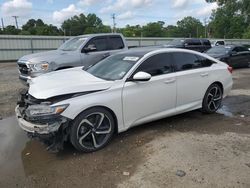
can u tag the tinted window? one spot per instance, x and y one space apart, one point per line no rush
220 43
116 43
100 43
241 49
186 61
205 62
156 65
193 42
206 43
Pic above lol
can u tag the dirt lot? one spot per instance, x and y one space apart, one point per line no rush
212 150
9 87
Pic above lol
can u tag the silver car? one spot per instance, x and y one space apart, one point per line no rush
84 50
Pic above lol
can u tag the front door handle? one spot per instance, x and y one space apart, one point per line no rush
169 81
204 74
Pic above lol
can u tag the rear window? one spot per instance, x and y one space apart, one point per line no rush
116 42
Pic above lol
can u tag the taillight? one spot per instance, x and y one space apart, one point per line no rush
230 69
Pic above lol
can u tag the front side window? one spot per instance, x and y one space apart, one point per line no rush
186 61
100 43
116 43
156 65
72 44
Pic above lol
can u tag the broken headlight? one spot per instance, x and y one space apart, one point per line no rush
45 110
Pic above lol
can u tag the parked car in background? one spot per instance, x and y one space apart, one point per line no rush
247 46
127 89
196 44
218 43
84 50
234 55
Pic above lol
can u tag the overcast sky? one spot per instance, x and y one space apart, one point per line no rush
127 11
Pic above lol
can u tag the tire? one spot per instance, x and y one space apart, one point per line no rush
212 99
92 129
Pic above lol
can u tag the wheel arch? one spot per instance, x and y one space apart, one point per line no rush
220 84
106 108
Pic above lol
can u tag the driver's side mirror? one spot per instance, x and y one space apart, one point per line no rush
89 48
141 76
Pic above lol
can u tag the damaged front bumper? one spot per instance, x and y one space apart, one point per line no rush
36 128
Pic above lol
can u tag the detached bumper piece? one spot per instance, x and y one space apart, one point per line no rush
52 131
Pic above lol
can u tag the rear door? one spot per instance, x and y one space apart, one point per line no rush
102 51
193 75
116 44
143 101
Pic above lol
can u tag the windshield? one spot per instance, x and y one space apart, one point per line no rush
72 44
114 67
219 50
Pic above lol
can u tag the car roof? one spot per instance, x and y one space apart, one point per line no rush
99 34
140 51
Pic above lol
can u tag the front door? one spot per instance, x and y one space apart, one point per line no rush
149 100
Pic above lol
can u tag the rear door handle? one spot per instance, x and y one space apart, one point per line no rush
204 74
169 81
106 55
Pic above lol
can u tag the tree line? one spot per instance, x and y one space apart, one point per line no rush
230 20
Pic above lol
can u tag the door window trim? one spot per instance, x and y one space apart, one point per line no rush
97 37
130 77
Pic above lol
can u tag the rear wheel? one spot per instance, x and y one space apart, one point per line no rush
92 129
212 99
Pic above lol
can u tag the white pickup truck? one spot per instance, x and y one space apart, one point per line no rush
84 50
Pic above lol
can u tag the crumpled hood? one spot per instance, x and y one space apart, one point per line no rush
49 56
66 81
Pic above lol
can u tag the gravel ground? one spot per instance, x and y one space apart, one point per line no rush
188 150
9 87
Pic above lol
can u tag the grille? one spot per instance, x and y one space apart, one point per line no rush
23 68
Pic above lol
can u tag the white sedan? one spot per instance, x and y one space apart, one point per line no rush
88 106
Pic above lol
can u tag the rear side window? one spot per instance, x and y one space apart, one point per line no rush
193 42
116 42
186 61
205 62
220 43
206 43
157 65
100 43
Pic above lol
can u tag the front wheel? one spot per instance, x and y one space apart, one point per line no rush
92 129
212 99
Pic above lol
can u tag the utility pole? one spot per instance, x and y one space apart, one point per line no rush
2 23
114 23
15 17
205 23
197 32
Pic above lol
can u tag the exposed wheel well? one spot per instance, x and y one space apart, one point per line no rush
108 109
